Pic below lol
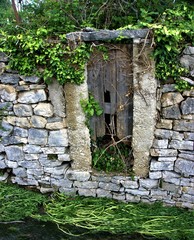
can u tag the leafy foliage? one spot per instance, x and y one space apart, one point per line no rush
110 157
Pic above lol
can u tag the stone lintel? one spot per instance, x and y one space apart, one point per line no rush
105 35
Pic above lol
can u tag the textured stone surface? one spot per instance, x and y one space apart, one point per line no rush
58 138
187 106
44 109
7 92
37 137
33 96
184 125
171 98
184 167
22 110
172 112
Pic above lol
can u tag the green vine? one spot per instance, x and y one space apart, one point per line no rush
49 58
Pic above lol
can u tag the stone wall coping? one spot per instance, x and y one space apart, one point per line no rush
105 35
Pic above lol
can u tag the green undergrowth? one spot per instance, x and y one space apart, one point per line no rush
83 215
104 215
17 203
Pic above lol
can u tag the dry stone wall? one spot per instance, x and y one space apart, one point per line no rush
34 147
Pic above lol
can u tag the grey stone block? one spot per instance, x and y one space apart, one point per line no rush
184 167
14 153
158 166
38 136
148 183
58 138
109 186
184 125
77 175
103 193
130 184
87 192
86 185
172 112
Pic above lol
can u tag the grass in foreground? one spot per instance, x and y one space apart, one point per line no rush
93 215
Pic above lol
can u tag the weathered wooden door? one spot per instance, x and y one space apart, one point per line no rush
110 82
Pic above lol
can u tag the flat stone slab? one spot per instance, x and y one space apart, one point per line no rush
105 35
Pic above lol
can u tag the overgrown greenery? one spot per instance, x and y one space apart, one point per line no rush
111 156
93 215
101 214
17 203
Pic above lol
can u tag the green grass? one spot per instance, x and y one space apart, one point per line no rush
17 203
95 215
98 215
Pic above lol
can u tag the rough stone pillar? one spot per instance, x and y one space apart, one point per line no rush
79 137
144 107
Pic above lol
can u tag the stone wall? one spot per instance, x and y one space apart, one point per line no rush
34 147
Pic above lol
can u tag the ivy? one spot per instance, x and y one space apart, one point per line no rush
35 53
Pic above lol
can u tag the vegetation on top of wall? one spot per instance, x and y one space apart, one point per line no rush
37 45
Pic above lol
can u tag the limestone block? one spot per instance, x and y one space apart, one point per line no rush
20 132
165 124
172 112
7 92
6 106
31 156
163 134
45 162
55 126
155 175
5 129
177 136
184 167
158 192
86 185
9 78
14 153
119 196
31 79
87 192
53 150
58 138
33 96
62 183
1 148
161 143
187 155
37 136
188 93
129 184
169 88
137 192
3 165
68 191
13 140
38 122
189 50
35 172
103 193
44 109
56 95
181 145
187 198
11 164
170 187
101 178
22 110
57 170
148 183
184 125
32 149
109 186
132 198
33 164
171 98
159 166
166 159
20 172
187 106
63 157
22 122
163 152
24 181
81 176
189 190
187 61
